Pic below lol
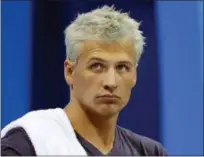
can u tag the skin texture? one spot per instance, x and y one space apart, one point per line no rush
100 83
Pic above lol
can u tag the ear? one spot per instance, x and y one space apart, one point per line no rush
68 72
134 79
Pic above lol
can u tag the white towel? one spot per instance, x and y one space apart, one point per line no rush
50 131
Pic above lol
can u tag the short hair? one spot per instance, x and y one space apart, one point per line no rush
103 24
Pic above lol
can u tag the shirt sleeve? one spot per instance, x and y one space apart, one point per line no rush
161 151
153 148
17 143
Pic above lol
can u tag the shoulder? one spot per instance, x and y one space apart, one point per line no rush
144 145
42 127
16 142
35 121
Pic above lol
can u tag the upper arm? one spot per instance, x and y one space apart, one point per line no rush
17 143
7 150
152 147
161 150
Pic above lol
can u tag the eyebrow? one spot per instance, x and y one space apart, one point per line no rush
96 59
102 60
126 62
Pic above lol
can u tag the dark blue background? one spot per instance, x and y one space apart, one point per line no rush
167 102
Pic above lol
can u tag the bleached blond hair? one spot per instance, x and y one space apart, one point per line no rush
103 24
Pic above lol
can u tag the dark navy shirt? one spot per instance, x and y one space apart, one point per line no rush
17 143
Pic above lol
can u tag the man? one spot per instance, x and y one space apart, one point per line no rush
103 50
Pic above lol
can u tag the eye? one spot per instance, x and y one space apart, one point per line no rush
123 68
96 67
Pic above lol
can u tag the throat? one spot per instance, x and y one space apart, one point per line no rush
99 133
103 148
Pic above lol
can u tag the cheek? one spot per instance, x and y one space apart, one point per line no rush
127 81
126 86
86 85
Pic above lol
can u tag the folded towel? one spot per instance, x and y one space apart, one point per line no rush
50 132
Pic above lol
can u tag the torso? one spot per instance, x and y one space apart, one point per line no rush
126 143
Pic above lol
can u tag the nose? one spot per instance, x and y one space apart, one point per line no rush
109 81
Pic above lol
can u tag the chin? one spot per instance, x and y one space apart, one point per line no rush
103 109
109 110
108 114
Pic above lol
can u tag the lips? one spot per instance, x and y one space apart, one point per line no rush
109 98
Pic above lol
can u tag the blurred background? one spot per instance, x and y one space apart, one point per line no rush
167 102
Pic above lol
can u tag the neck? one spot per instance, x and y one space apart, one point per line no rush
99 131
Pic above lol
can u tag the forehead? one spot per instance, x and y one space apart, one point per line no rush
114 50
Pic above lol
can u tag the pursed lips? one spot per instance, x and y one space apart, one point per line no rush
108 96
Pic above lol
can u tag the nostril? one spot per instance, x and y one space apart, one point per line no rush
110 88
106 87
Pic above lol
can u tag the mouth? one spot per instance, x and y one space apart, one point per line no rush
109 98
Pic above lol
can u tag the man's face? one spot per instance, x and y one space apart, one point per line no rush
103 76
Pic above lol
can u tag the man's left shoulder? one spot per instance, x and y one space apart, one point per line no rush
146 145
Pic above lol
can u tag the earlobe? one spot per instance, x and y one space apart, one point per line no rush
68 72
